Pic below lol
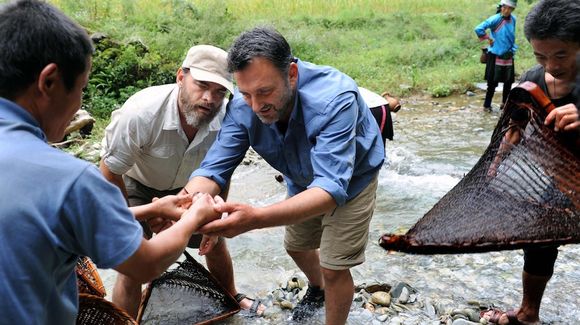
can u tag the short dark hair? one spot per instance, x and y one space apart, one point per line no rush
554 19
263 42
34 34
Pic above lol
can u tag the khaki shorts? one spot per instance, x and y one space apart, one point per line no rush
139 194
341 235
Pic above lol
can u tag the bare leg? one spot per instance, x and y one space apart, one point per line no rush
219 263
127 294
220 266
529 311
338 294
309 263
534 286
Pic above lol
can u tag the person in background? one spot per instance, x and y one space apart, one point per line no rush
311 124
502 47
55 207
553 29
381 107
156 140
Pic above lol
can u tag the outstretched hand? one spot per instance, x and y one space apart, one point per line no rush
170 206
201 211
240 219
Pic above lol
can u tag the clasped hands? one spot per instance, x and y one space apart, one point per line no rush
198 208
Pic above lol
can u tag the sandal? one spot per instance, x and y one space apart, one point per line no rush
254 308
511 315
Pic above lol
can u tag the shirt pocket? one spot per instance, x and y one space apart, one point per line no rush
160 152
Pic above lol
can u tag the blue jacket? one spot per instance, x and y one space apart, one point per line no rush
503 32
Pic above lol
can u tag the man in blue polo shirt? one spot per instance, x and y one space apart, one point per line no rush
310 123
53 206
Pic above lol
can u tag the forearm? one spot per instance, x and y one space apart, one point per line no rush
113 178
305 205
154 256
203 185
144 212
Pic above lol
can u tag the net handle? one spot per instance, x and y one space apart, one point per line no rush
538 95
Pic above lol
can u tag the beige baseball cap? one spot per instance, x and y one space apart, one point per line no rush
209 63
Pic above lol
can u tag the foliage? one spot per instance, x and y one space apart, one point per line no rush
401 46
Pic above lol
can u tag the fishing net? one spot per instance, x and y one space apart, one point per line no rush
188 294
95 310
523 191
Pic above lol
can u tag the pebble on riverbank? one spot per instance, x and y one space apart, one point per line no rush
378 303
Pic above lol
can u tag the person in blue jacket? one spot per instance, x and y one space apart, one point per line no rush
502 47
311 124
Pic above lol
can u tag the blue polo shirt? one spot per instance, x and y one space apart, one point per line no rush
332 141
53 208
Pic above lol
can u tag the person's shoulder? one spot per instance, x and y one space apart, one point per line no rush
534 74
149 98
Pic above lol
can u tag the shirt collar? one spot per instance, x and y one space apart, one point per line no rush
14 112
171 120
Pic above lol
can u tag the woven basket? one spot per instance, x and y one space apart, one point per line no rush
188 294
88 279
98 311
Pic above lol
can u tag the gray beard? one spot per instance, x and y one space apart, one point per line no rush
193 120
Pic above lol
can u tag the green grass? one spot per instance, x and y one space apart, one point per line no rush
400 46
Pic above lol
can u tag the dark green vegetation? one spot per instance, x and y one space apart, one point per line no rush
403 47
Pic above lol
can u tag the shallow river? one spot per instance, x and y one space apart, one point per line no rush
436 143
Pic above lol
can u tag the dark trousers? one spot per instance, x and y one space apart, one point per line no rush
491 90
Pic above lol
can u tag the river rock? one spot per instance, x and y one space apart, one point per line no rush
381 298
463 322
404 296
398 288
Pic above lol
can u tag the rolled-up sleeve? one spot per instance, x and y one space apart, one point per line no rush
333 157
226 153
122 142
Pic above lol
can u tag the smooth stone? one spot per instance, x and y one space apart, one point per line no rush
285 304
382 318
463 322
382 298
404 296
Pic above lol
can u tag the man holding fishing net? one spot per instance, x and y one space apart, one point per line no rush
553 29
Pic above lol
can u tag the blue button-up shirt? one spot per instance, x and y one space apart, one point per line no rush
332 141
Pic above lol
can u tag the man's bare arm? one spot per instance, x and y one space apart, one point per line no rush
113 178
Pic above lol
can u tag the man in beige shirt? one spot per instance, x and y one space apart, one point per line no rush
156 140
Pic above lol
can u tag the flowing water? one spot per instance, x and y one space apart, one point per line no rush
436 143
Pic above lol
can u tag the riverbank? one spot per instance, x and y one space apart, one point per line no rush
437 141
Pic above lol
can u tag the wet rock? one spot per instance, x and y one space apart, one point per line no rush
429 309
382 318
381 298
404 296
470 93
398 288
370 307
285 304
463 322
272 312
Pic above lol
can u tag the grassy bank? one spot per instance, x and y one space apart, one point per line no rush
401 46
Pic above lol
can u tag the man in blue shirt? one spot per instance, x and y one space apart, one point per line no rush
54 207
310 123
